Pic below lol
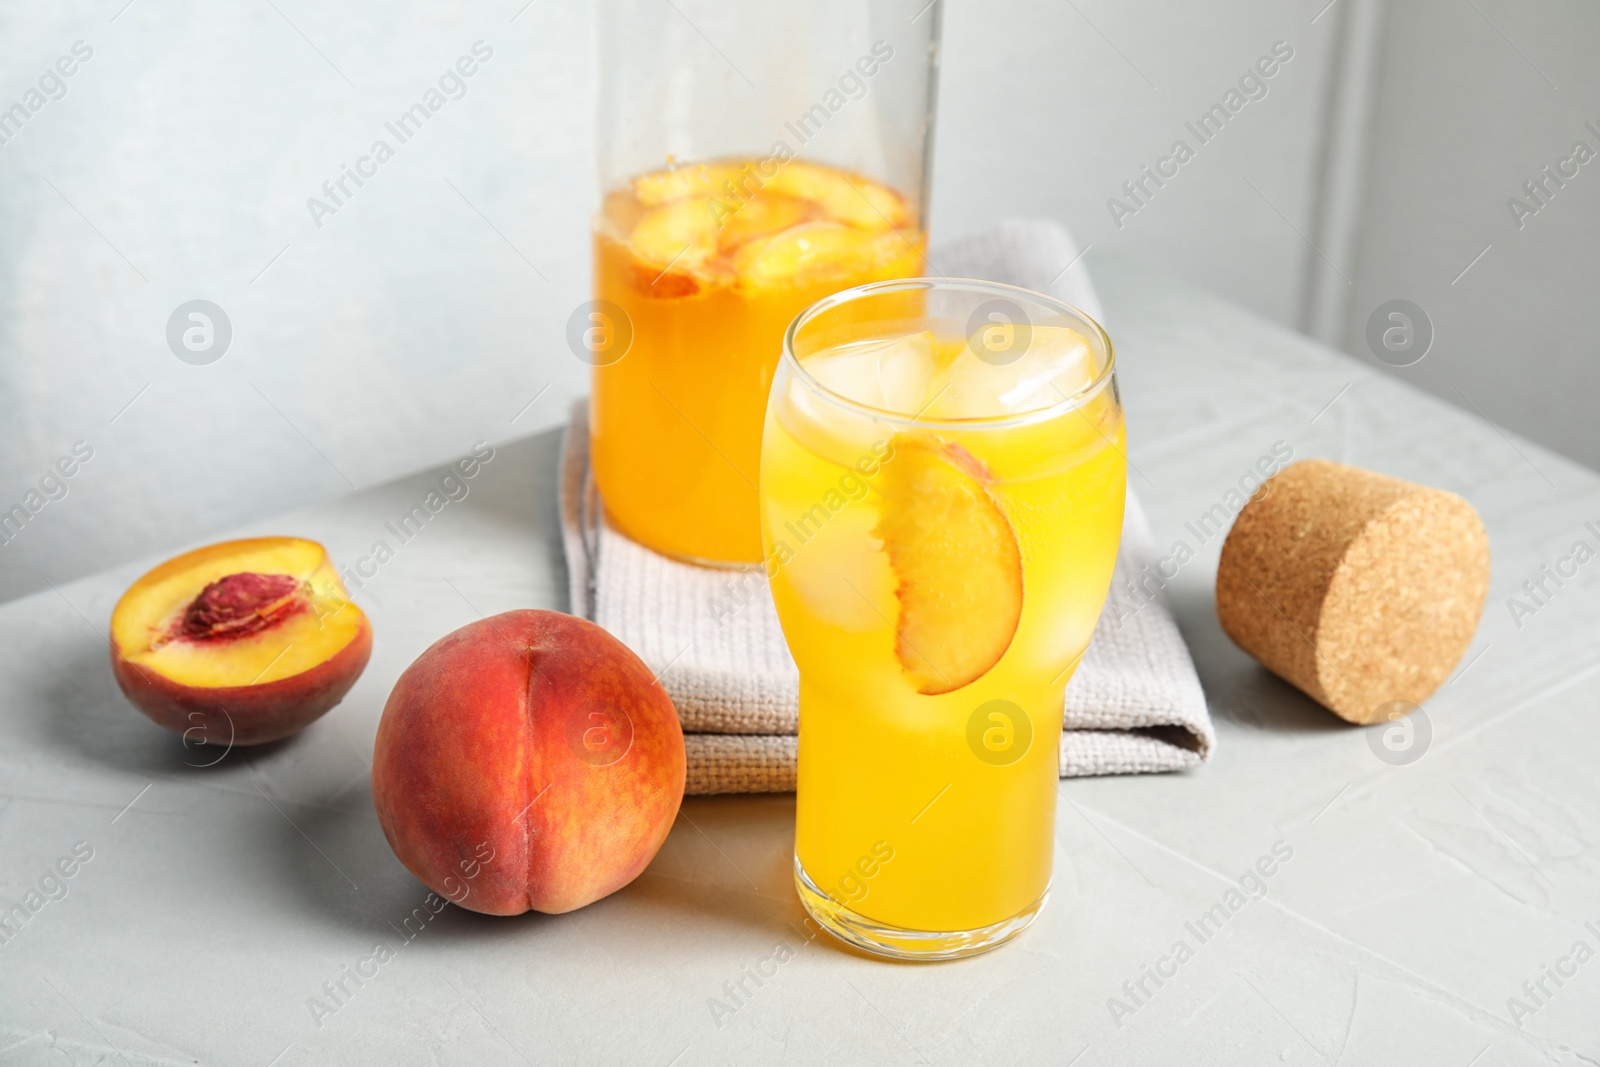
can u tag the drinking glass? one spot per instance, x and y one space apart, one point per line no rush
752 159
942 486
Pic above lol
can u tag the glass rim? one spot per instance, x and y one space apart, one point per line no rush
1094 332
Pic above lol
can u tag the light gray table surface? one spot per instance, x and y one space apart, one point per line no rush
1419 898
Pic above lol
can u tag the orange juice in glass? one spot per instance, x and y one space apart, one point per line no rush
708 263
942 485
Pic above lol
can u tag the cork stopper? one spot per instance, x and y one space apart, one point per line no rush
1357 588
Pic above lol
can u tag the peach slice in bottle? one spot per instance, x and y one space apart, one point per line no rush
692 179
956 562
241 642
846 198
760 216
808 250
670 244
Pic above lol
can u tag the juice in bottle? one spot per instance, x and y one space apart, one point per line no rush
941 530
709 262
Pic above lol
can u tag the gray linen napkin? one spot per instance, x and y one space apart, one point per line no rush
1135 705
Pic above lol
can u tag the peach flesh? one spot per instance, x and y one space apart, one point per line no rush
956 560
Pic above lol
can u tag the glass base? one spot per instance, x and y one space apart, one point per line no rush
898 943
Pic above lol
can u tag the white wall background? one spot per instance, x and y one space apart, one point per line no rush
1046 108
430 310
1472 99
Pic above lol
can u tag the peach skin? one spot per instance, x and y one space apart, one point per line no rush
527 761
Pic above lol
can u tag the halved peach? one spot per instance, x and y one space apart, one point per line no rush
241 642
956 562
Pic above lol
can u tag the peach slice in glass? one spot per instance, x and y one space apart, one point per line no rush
956 562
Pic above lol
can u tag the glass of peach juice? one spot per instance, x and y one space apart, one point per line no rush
942 486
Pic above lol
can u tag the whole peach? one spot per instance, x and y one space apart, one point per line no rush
527 761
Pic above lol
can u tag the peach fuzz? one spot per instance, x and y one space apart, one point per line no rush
528 761
241 642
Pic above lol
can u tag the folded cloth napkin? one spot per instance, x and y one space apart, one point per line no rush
1134 706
